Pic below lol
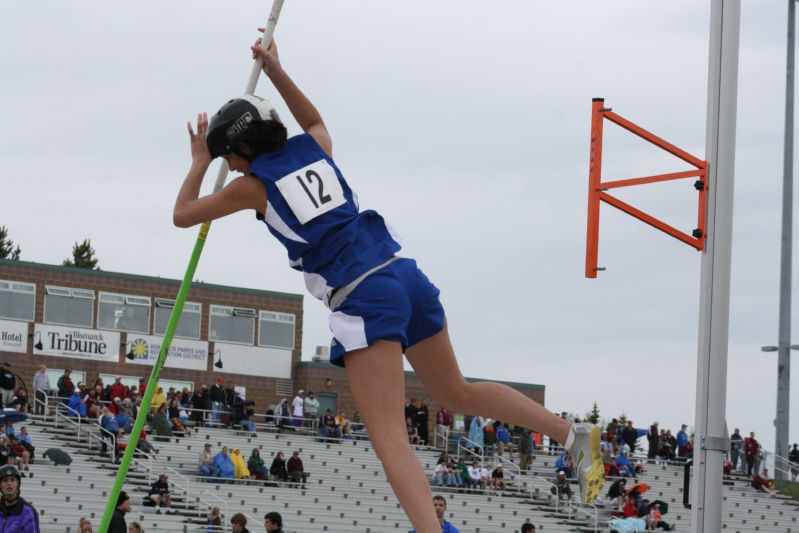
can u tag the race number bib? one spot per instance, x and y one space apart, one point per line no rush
312 191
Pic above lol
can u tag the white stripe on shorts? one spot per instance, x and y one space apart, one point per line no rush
348 330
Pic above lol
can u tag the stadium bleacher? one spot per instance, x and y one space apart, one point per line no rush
346 492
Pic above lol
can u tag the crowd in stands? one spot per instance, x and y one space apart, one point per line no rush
230 465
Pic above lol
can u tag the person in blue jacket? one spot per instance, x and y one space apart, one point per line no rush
224 463
76 404
16 515
382 306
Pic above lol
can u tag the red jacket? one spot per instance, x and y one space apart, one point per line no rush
118 390
751 446
294 465
444 418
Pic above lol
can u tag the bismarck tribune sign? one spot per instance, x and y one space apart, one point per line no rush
76 342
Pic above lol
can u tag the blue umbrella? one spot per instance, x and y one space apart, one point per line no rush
11 415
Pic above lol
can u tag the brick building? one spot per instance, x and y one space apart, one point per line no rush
106 324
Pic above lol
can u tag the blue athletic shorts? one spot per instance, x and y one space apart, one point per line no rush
396 303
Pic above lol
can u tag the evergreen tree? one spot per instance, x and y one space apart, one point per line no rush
82 256
622 419
593 416
7 248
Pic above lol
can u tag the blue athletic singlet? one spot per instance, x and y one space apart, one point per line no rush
312 211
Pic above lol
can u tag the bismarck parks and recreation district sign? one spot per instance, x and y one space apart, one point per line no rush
183 353
61 341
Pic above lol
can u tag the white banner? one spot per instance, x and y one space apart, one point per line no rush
183 353
253 360
61 341
13 336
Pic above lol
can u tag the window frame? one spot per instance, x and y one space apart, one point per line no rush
80 294
278 314
10 287
126 299
234 312
166 303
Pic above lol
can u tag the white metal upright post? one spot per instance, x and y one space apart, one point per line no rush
710 441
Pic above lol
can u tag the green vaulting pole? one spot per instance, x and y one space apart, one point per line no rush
179 301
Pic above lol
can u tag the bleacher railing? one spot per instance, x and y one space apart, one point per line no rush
465 445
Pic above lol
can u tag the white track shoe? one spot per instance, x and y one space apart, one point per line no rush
588 460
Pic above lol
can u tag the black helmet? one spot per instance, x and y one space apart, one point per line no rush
10 470
234 117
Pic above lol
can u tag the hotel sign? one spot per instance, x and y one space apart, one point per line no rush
13 336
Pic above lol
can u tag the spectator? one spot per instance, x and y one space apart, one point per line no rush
653 439
564 464
498 478
174 417
135 527
503 441
76 404
278 469
41 388
310 407
161 423
762 482
625 466
109 423
24 436
124 421
242 413
214 522
475 479
159 493
476 441
466 479
443 426
206 464
526 450
15 513
19 454
751 449
7 383
413 431
298 408
682 441
618 493
257 466
346 431
239 522
423 421
217 397
328 427
528 528
118 524
20 400
159 398
296 470
273 522
736 445
629 435
65 386
284 415
200 402
240 470
440 506
666 446
224 464
85 525
485 476
793 457
117 389
230 400
441 475
562 488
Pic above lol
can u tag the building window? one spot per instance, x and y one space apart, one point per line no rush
231 324
68 307
189 323
17 300
276 330
122 312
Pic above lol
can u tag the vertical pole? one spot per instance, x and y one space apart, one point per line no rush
594 178
782 422
711 384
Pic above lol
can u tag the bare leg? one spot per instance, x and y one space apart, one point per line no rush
376 378
433 359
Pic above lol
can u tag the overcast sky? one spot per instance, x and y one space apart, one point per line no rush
466 124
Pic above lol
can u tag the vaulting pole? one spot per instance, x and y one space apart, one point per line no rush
179 301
